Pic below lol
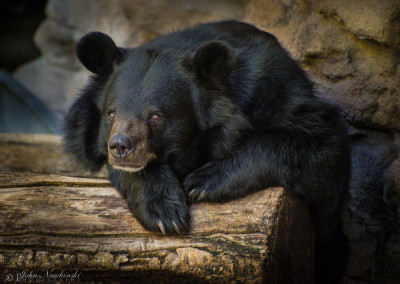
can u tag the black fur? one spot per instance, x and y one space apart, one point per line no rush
237 115
81 128
97 52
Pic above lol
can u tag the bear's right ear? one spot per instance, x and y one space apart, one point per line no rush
97 52
214 60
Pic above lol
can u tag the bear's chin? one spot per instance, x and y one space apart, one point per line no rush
127 169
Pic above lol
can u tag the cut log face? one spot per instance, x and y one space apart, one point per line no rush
51 222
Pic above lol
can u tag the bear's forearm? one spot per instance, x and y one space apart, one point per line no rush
302 165
155 197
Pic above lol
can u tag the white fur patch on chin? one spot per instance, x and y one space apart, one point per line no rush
131 170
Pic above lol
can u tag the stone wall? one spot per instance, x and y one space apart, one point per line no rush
351 49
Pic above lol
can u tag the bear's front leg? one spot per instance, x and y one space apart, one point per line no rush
155 197
215 182
305 165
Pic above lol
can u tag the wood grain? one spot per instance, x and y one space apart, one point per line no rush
38 153
68 223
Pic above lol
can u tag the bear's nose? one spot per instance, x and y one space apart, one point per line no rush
120 146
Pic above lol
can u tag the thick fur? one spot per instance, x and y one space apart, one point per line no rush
239 115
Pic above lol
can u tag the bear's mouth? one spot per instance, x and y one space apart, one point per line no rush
129 169
129 165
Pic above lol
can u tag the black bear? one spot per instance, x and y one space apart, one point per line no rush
211 113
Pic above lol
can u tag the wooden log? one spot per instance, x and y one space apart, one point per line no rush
81 228
37 153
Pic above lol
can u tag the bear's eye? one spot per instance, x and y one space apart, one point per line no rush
155 117
111 115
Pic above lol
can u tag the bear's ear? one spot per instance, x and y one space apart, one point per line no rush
214 60
97 52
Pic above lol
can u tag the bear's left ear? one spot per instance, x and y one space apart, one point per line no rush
214 61
97 52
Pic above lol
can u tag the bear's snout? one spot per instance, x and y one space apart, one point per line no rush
120 146
128 145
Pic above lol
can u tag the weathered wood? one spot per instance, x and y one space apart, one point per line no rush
37 153
50 222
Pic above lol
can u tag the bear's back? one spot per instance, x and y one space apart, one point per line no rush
240 36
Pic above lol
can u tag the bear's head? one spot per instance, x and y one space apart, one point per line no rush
151 104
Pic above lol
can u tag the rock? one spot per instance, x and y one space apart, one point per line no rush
56 91
19 20
266 12
378 21
340 59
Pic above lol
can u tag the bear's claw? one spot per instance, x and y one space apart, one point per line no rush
202 195
161 226
176 228
197 197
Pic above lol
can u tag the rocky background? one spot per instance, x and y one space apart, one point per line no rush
351 49
18 21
